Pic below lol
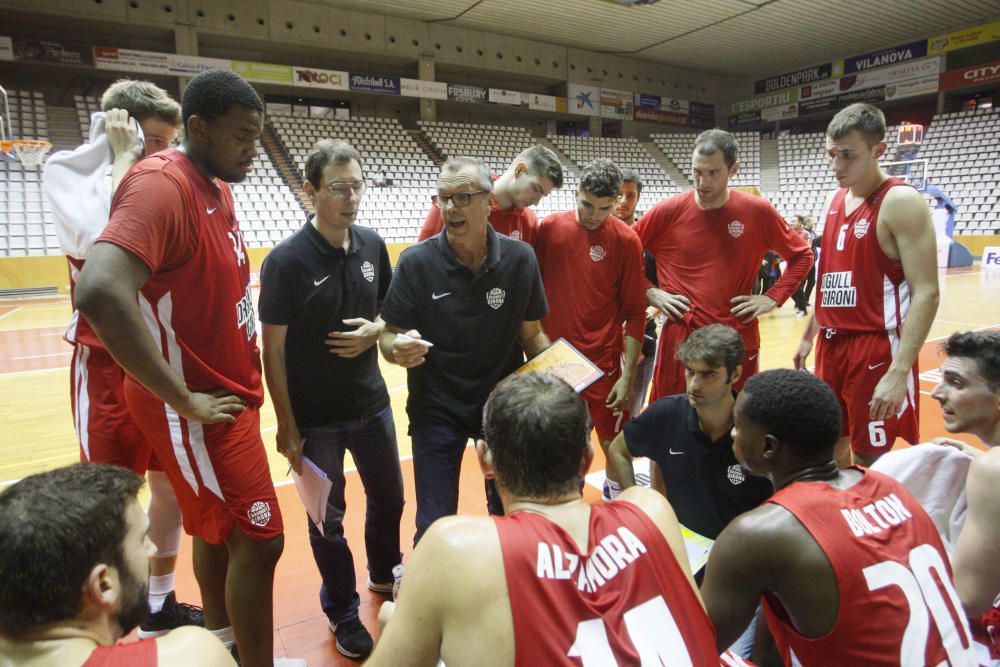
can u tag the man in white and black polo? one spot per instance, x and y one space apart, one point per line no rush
321 290
689 438
477 297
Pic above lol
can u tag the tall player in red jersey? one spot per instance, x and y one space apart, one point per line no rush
708 244
876 290
592 267
533 174
556 581
851 568
167 289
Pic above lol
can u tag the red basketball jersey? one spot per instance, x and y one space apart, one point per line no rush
625 601
133 654
898 605
859 287
197 301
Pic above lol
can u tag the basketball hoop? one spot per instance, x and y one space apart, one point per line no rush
31 152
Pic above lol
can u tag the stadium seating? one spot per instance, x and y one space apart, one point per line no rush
24 211
679 146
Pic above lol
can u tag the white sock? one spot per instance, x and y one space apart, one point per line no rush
225 636
159 588
613 489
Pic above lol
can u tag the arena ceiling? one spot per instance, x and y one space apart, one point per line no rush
739 37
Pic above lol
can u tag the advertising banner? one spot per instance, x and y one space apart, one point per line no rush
660 117
837 101
912 88
961 39
918 69
585 100
503 96
745 118
431 90
971 76
52 53
542 102
616 104
793 79
263 72
764 101
154 62
312 77
374 83
6 48
884 57
779 113
460 92
700 110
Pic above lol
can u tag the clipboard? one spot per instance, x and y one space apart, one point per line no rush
564 361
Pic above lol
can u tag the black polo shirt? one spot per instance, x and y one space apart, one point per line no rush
312 287
705 484
473 319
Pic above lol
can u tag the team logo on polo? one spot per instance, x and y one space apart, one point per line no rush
736 229
736 474
368 271
495 298
861 228
597 253
259 513
515 234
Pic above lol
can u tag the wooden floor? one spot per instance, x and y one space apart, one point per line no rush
37 434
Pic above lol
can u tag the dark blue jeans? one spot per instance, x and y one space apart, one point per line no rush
372 443
438 448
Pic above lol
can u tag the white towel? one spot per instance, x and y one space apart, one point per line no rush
78 183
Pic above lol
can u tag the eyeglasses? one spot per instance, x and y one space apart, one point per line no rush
343 189
459 199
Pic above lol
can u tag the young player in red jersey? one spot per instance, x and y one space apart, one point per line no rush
74 558
167 289
851 568
137 118
532 175
876 290
592 267
556 581
708 244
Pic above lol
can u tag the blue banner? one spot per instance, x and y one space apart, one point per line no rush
373 83
891 56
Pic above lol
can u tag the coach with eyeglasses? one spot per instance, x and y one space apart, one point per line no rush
320 294
461 314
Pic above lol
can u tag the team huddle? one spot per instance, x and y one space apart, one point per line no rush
829 547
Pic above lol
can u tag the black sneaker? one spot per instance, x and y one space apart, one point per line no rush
353 639
174 614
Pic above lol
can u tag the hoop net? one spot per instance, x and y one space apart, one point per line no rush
31 152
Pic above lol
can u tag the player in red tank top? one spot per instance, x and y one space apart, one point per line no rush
74 559
876 290
533 174
556 582
851 568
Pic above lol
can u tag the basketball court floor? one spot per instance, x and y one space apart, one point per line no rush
37 434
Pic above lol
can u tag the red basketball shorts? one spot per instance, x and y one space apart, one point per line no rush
608 424
219 472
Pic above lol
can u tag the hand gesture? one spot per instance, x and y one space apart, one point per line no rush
673 306
406 351
289 442
751 306
617 399
123 133
349 344
212 407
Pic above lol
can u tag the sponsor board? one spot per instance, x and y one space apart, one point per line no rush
431 90
504 96
616 104
961 39
460 92
52 53
312 77
922 86
154 62
584 100
745 118
541 102
918 69
660 117
374 83
698 109
793 79
991 258
884 57
764 101
779 113
971 76
263 72
837 101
